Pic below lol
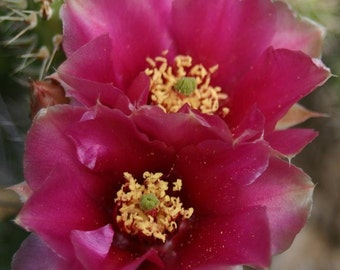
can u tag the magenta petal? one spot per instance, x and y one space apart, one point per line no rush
91 62
63 204
242 238
297 34
289 142
182 128
92 247
89 76
151 256
286 192
139 90
114 145
122 259
277 81
228 33
46 143
35 254
91 93
135 27
212 173
251 126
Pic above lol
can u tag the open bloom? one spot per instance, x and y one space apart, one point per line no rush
128 192
247 61
169 155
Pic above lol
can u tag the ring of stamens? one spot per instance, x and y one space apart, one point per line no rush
164 78
147 210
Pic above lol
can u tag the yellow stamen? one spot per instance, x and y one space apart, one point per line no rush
165 81
156 221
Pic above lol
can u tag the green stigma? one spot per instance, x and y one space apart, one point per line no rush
148 202
186 85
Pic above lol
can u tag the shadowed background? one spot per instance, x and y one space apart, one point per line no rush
15 73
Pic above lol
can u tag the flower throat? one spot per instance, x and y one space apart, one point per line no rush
184 83
147 211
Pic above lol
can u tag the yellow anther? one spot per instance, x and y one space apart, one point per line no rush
184 83
177 185
146 210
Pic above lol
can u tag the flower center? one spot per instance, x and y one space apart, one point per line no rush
147 210
173 86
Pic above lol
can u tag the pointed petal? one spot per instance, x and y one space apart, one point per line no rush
277 81
286 192
290 142
23 190
297 114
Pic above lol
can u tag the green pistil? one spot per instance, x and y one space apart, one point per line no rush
148 202
186 85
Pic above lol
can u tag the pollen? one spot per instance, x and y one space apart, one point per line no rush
172 86
147 210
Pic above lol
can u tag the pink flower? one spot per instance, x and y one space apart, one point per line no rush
233 205
170 153
251 61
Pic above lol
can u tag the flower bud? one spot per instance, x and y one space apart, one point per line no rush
46 93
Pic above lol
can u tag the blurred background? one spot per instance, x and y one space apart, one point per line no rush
317 247
26 52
